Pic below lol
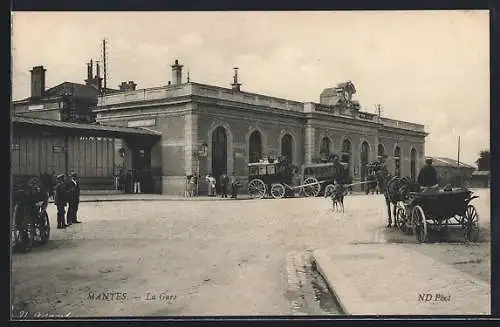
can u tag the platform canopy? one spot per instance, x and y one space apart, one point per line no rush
79 128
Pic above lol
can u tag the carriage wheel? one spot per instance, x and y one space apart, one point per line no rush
400 219
471 224
25 235
329 190
256 189
277 191
42 230
419 224
311 190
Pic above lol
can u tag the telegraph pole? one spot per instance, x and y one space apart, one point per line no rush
458 162
104 64
378 108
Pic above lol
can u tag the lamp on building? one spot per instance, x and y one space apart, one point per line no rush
122 152
198 154
203 150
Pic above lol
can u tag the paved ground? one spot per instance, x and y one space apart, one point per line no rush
386 279
198 257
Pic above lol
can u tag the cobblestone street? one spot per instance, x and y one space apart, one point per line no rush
201 257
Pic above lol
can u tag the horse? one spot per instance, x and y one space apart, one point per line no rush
395 189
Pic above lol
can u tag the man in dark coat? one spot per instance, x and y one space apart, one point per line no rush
60 200
224 180
74 200
235 185
428 175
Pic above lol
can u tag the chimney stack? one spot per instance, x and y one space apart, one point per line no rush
127 86
37 81
177 73
98 79
90 73
235 86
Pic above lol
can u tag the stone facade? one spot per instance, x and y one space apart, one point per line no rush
190 114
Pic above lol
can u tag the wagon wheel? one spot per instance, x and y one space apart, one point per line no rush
311 190
419 224
256 189
329 190
400 219
471 224
42 229
277 191
25 232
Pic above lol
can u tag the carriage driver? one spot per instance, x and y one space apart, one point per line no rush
428 175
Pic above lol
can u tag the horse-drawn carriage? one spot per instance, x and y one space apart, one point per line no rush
277 179
29 219
436 209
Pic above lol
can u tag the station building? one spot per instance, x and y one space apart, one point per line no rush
210 129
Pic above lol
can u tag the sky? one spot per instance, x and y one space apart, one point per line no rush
426 67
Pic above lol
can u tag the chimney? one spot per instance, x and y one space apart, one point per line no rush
127 86
177 73
235 86
37 81
98 78
132 85
90 70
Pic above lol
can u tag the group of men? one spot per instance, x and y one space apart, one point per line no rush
224 182
67 192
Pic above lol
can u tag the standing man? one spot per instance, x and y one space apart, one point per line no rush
235 185
428 175
60 199
224 179
74 200
211 184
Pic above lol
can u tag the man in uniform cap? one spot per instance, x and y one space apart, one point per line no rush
428 175
74 200
60 199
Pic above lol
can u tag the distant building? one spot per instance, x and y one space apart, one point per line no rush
450 172
481 179
239 127
68 101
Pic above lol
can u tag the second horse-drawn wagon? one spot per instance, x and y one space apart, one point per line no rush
278 179
436 209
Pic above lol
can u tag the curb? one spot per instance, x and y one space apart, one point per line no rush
336 284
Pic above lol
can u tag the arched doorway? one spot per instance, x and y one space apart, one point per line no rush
324 148
380 151
255 147
397 161
287 147
413 164
364 155
346 154
219 153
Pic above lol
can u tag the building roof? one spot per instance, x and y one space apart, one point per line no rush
447 162
75 89
80 126
481 173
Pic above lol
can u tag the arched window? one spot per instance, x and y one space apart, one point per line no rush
287 147
219 152
324 148
380 151
397 161
346 153
255 147
413 163
364 155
